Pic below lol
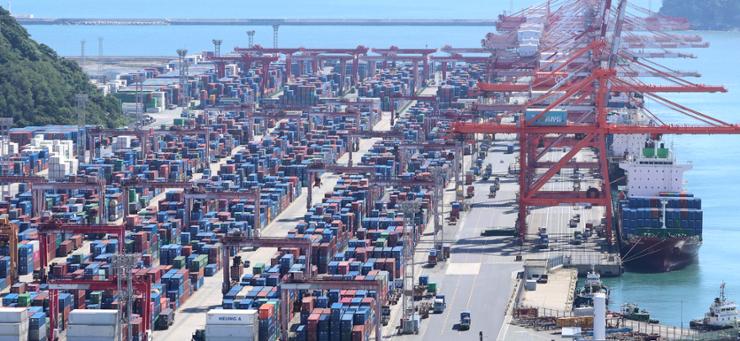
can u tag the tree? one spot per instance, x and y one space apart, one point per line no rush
37 87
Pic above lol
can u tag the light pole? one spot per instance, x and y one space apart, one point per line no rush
408 321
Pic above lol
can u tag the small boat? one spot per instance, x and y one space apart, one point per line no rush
722 314
631 311
593 284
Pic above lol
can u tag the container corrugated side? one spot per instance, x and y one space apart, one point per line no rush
231 316
94 317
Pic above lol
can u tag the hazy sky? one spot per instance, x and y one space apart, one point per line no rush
286 8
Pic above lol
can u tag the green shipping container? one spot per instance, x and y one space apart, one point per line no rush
24 300
96 297
132 196
258 268
179 262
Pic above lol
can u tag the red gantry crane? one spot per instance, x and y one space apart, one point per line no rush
591 59
246 60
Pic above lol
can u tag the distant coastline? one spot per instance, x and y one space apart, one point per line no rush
714 15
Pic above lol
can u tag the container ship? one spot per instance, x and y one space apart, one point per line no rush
659 225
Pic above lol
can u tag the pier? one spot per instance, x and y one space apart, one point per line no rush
254 22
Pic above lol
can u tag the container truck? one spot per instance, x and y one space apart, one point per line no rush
439 304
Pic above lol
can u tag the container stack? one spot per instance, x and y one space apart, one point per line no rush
683 213
14 324
232 325
93 324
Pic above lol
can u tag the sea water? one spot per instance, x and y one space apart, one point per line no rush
670 297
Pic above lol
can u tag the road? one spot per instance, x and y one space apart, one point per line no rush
478 277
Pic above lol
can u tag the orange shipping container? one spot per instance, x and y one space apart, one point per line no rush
266 311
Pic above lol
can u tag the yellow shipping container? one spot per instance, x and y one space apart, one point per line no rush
582 321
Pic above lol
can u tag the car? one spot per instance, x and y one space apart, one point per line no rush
464 320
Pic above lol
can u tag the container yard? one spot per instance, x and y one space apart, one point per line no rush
362 193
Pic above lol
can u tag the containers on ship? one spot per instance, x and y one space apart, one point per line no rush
682 214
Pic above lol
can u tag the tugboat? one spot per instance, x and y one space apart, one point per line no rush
592 285
722 314
631 311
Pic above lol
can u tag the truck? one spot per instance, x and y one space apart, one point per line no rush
543 242
464 320
199 335
439 304
419 291
509 148
385 315
488 172
432 258
165 320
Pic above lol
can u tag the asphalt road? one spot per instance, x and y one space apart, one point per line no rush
478 277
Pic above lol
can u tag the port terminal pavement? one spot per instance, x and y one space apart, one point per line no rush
481 274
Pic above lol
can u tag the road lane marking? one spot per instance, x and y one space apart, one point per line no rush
471 269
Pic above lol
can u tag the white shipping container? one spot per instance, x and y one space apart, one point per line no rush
92 338
226 338
13 315
14 329
231 316
86 330
235 332
98 317
13 338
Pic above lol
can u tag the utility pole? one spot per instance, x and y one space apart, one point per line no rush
409 320
139 100
217 47
182 53
123 265
80 103
82 53
275 35
437 200
100 58
250 35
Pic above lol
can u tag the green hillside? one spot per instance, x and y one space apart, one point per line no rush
37 87
705 14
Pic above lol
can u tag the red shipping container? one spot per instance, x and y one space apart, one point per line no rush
358 333
307 304
266 311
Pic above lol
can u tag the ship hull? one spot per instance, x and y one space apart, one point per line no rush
651 254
